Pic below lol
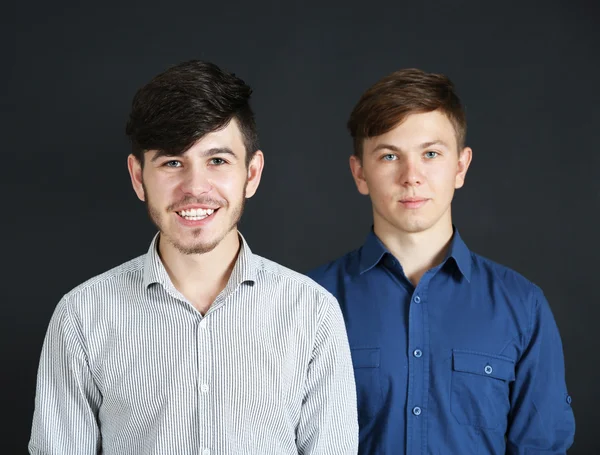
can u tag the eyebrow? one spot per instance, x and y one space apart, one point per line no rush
424 145
205 154
218 151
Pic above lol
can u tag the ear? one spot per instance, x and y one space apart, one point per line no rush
358 172
464 160
135 172
255 168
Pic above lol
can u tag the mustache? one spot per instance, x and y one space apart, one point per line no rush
197 200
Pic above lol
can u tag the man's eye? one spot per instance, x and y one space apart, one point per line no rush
173 163
217 161
431 154
389 157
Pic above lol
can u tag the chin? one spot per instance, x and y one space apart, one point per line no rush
190 242
413 227
196 247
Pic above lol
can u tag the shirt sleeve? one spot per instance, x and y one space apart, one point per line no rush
328 420
67 400
541 419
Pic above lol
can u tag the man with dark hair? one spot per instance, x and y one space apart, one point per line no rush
198 346
452 353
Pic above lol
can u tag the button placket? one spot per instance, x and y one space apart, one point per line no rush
418 366
204 380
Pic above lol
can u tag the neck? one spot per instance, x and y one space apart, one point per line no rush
201 277
416 251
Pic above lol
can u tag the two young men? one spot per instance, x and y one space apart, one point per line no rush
201 346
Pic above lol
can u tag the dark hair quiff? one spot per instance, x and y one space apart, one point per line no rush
186 102
394 97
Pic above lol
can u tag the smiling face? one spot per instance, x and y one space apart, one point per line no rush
410 174
196 199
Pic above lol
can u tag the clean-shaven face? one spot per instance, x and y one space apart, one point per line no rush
197 198
411 173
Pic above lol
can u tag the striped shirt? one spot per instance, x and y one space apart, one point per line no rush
129 366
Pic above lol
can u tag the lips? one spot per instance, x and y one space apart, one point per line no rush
185 208
195 214
413 202
413 199
195 218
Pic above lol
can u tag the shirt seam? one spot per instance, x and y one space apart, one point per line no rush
322 292
70 296
74 325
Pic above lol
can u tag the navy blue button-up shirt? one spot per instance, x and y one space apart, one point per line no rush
469 361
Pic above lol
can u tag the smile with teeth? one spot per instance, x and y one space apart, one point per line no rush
195 214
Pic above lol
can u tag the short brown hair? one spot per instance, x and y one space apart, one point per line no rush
409 91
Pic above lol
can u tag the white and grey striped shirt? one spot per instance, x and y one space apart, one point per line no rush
129 366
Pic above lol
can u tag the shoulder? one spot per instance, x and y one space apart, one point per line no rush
95 296
499 275
332 270
280 276
115 280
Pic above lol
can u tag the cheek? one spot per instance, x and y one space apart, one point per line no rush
230 184
383 195
382 180
161 190
441 178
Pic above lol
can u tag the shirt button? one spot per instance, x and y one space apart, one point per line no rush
417 299
417 353
569 399
417 411
488 369
204 388
206 452
203 324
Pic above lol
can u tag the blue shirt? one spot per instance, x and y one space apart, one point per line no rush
469 361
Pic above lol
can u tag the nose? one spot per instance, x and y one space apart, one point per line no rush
411 174
195 181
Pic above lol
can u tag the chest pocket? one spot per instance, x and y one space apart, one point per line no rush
368 382
480 388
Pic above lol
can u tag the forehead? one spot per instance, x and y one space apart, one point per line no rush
415 129
229 136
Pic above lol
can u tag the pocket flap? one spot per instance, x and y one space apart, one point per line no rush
484 364
365 357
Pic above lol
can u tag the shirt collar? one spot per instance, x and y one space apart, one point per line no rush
373 251
244 270
461 254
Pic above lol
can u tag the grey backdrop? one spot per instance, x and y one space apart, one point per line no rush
528 75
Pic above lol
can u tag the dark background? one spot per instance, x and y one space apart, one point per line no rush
527 74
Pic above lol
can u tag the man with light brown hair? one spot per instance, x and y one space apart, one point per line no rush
452 353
